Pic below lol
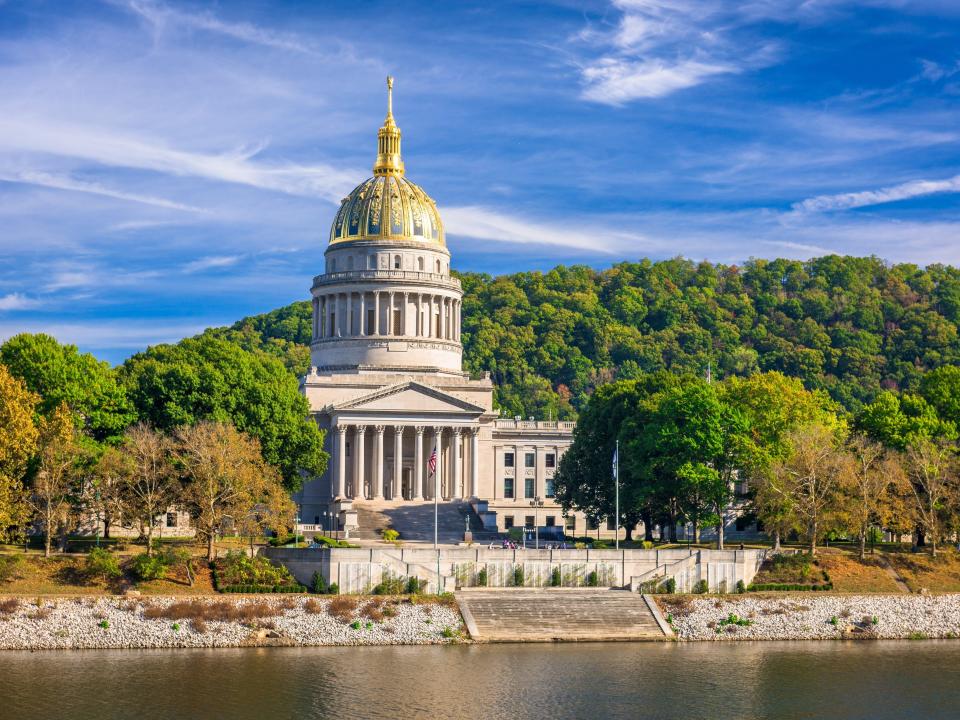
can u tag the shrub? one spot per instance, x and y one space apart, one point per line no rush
390 585
448 633
593 580
373 611
102 563
518 576
601 545
147 567
342 607
482 577
580 546
732 619
312 607
199 625
10 567
788 587
390 535
334 589
176 627
237 568
355 624
415 585
9 605
669 586
701 587
320 585
833 621
741 588
104 624
220 611
555 577
647 544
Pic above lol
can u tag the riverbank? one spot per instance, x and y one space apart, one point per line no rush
813 617
177 622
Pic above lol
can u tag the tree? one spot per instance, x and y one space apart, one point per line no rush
210 378
149 482
931 469
53 485
809 477
108 495
18 445
61 374
226 476
869 480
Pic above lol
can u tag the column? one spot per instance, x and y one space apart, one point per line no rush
376 312
313 328
363 313
403 314
378 463
397 463
358 474
418 464
456 491
436 491
431 328
338 489
348 315
390 325
326 316
475 462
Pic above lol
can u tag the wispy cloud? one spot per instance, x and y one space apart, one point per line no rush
64 182
864 198
17 301
212 262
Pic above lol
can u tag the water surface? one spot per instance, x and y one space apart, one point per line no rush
877 680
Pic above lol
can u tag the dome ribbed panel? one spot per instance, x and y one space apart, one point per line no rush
387 207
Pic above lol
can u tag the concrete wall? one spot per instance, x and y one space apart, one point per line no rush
359 570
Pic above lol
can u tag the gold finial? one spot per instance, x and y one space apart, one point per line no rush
388 141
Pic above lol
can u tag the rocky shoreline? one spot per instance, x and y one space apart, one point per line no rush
211 622
813 617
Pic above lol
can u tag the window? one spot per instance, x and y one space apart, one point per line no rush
551 521
333 264
528 489
550 460
316 519
350 263
549 489
420 264
348 449
570 523
508 459
508 488
333 324
530 460
507 522
372 262
396 262
743 522
171 519
438 266
591 524
528 521
611 524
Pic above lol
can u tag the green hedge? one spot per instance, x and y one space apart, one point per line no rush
263 589
788 587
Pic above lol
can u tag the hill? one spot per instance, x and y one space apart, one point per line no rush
851 326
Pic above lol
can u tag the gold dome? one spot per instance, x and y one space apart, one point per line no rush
388 206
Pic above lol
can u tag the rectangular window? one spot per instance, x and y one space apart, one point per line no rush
171 519
550 460
570 522
508 488
611 524
528 521
508 459
551 521
507 522
348 449
549 488
528 487
591 524
530 460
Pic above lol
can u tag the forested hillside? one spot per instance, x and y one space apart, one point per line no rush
849 326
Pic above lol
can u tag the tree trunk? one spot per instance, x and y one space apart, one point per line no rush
628 537
776 541
720 531
647 528
46 543
813 538
863 544
696 532
210 556
150 540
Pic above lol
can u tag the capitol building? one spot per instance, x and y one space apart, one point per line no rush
404 423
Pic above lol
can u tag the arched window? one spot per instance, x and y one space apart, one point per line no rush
396 262
420 264
372 262
438 267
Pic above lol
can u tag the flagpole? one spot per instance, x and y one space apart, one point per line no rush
616 529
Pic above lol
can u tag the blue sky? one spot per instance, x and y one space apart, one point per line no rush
168 166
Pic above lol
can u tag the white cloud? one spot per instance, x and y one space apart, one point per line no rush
17 301
864 198
64 182
486 224
615 80
212 262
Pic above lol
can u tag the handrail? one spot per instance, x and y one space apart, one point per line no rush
334 277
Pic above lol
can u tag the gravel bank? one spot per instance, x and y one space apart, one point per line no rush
817 617
119 622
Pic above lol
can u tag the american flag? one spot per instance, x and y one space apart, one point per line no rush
432 462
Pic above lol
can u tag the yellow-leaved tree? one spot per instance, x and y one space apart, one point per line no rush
18 444
57 473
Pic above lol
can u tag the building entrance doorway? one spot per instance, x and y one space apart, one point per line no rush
406 484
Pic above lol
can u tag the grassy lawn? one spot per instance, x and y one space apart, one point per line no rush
921 571
850 575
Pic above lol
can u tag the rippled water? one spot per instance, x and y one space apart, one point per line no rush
902 680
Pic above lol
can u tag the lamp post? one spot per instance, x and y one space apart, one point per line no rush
536 504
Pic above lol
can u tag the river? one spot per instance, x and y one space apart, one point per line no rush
884 679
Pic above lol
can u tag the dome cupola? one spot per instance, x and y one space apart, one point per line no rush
388 206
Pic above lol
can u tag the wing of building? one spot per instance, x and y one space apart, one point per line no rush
403 420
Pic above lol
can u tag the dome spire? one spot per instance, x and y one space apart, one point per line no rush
388 141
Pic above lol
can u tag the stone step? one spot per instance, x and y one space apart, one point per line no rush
542 615
415 520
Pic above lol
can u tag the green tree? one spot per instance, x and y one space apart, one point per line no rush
61 374
209 378
58 470
18 445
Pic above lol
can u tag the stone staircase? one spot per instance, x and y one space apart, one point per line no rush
559 614
414 520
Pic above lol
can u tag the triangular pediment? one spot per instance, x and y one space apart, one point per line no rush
410 397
